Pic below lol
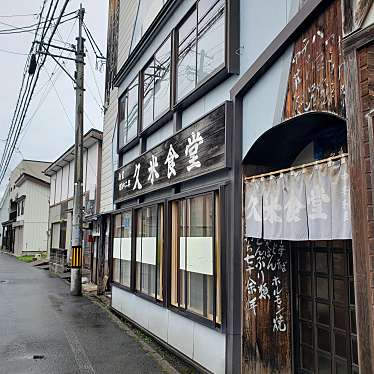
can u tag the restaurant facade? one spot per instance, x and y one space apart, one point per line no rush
232 231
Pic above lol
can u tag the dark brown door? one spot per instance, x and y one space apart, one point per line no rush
325 319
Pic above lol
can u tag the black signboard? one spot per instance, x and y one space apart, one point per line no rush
196 150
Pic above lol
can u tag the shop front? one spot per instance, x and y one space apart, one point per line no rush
170 238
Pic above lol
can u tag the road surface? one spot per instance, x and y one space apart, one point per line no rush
45 330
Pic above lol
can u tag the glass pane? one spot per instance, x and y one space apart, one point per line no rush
122 119
354 351
126 248
148 91
132 116
199 255
305 285
117 249
341 368
323 313
305 309
304 260
323 337
350 264
340 291
340 345
211 41
149 249
339 264
340 317
138 248
322 288
352 293
353 321
324 364
162 78
321 262
186 69
307 358
159 257
306 331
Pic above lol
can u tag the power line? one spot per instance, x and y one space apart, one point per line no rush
18 15
21 113
13 52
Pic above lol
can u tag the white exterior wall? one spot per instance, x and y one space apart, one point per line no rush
200 343
62 183
35 218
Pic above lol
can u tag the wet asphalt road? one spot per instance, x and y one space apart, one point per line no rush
72 334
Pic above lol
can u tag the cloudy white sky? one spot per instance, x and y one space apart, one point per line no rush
48 128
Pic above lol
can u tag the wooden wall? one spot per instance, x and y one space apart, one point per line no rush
316 78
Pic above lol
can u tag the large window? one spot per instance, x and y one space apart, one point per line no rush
195 259
128 114
122 248
149 251
201 45
156 85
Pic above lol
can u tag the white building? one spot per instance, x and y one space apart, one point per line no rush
24 209
61 174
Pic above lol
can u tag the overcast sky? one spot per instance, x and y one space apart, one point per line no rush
50 132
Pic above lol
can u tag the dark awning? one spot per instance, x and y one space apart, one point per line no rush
279 146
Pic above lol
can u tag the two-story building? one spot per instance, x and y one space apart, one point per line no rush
236 211
61 174
24 209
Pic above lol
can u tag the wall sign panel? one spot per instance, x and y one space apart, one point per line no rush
196 150
316 79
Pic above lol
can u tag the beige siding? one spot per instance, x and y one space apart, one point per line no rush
109 156
127 14
108 161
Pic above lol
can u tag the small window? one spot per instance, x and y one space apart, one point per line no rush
201 45
156 85
196 275
128 114
62 241
22 207
149 251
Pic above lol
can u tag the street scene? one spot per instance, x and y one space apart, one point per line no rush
187 186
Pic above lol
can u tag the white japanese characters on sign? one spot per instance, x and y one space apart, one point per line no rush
137 184
170 161
192 148
153 173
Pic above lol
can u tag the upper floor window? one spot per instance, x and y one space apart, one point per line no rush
201 45
156 85
128 114
146 13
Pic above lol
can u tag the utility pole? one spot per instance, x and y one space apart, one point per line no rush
77 252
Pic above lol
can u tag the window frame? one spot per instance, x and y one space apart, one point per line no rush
218 211
162 283
132 289
135 139
164 116
118 283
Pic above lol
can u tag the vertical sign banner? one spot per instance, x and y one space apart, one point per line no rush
341 207
273 209
318 187
295 212
253 209
266 306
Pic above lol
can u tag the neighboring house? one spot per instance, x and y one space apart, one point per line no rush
61 174
24 209
225 193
